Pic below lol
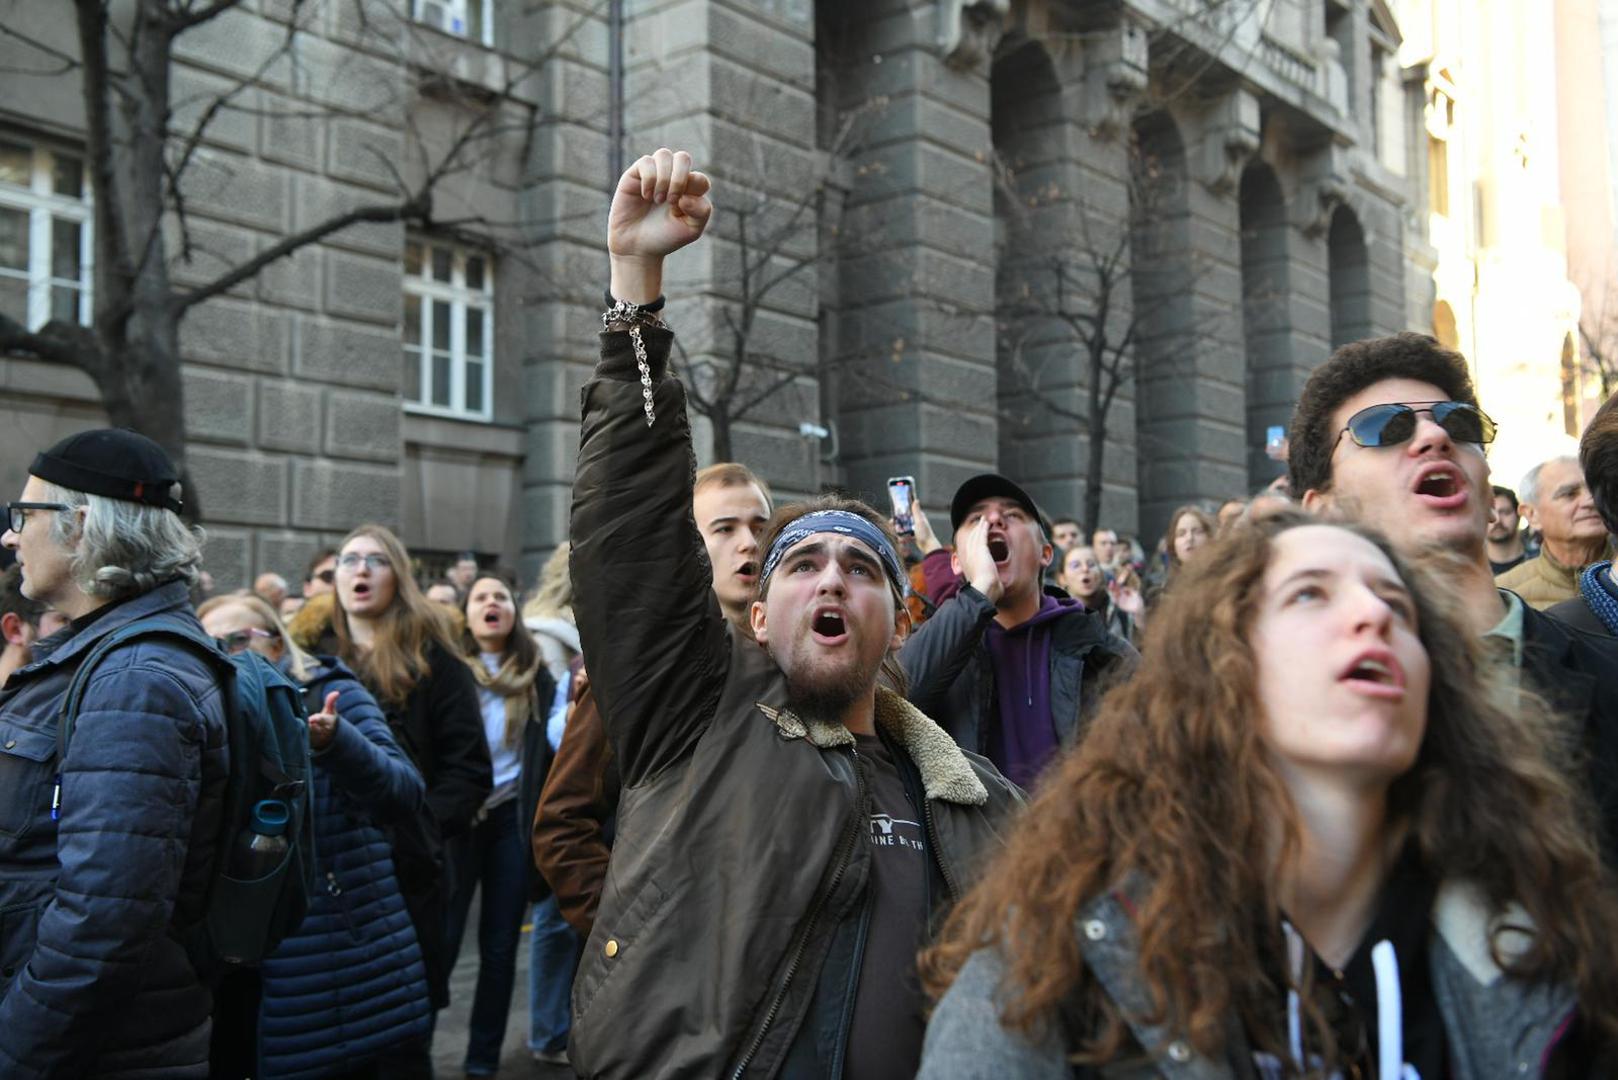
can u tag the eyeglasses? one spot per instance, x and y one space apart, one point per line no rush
241 640
17 512
374 561
328 575
1394 423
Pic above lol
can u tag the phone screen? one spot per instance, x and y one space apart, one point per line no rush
901 490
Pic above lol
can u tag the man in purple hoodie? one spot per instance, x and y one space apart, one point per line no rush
1006 667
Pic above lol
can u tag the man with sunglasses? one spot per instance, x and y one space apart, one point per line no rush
321 576
1388 432
106 850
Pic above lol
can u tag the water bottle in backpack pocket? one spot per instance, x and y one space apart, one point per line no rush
264 856
263 847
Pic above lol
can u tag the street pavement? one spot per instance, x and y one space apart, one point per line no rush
449 1041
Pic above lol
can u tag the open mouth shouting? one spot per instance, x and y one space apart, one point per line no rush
999 550
1375 673
747 572
1441 485
491 618
361 590
828 626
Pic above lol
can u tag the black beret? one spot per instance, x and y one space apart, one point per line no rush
115 462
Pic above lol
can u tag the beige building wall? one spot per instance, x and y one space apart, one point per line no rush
1493 210
1585 132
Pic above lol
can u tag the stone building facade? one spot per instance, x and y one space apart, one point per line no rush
924 204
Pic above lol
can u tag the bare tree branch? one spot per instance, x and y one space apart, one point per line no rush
188 15
67 62
416 210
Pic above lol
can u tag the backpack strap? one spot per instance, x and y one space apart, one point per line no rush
155 626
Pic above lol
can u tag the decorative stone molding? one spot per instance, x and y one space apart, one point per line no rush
1115 76
968 30
1324 187
1232 131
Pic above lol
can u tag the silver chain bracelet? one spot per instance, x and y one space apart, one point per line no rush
636 316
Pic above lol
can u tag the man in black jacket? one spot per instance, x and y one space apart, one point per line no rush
1005 665
787 826
1388 431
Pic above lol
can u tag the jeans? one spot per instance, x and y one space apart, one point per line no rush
557 948
494 856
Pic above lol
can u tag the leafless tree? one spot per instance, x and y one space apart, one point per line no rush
1598 336
735 370
139 158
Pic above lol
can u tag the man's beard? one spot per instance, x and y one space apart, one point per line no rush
826 695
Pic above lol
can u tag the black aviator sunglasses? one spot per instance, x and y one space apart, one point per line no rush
1394 423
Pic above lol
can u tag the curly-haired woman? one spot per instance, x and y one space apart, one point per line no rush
1312 836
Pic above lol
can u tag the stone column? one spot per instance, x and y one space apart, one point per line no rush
1061 131
1194 392
914 359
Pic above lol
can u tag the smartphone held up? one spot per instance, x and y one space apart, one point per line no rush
902 493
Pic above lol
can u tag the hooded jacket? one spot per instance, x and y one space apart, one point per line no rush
737 857
349 983
94 978
1496 1027
953 676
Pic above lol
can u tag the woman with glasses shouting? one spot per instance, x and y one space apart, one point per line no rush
315 1005
404 649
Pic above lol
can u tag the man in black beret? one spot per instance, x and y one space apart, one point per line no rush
106 855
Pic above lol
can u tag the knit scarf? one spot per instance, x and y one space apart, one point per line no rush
517 687
1599 595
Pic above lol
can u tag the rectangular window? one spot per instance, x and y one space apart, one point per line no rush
1438 176
448 331
44 235
470 19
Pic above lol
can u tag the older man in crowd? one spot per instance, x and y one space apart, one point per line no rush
106 855
1595 609
1557 502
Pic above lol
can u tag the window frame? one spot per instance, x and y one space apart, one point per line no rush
460 9
44 206
460 298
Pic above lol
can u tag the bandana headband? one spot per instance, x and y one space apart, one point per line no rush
841 523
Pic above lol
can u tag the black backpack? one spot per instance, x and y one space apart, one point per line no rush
267 731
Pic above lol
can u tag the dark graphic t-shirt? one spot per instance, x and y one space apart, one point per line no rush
884 1040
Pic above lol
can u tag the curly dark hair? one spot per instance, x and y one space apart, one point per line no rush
1345 373
1598 457
1172 792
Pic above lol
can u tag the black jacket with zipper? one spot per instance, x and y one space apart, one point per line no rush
952 676
739 856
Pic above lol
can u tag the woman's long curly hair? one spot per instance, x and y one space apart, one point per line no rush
1171 798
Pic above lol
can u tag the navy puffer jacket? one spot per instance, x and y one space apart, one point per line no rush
94 980
349 983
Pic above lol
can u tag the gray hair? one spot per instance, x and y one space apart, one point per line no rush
1528 488
124 548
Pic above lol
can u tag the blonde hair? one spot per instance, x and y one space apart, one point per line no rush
553 596
299 662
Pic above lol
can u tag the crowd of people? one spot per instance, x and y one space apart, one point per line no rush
1326 784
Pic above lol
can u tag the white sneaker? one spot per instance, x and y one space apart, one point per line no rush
551 1057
